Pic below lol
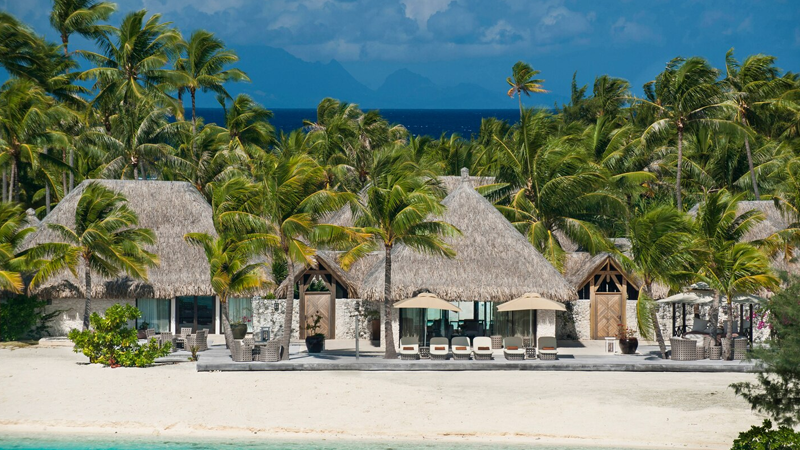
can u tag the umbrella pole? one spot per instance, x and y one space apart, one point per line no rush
530 323
424 327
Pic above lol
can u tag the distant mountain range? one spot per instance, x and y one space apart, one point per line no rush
290 82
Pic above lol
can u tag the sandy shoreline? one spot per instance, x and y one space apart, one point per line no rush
48 392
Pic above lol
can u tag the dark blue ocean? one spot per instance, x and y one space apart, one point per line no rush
431 122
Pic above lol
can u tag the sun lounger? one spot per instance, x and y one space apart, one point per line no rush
513 349
548 348
482 347
409 348
439 348
461 348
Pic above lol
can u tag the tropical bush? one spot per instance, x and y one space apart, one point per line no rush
24 317
112 343
765 437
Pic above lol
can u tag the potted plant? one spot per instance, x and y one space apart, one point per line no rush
239 328
315 341
141 332
627 340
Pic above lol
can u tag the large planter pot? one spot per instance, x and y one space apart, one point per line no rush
315 343
239 331
141 334
628 346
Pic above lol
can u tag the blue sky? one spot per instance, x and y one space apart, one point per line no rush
472 43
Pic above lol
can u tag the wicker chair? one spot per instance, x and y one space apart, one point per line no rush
683 349
461 348
440 348
482 348
202 340
548 348
163 338
181 337
739 349
271 352
242 352
150 333
513 349
191 341
715 352
409 348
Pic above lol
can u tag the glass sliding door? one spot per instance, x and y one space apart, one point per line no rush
195 312
155 311
241 309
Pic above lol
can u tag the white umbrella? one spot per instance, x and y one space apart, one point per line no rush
529 302
426 300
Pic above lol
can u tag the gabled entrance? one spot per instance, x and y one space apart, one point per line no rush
608 288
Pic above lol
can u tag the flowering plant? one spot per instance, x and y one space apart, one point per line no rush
244 320
625 332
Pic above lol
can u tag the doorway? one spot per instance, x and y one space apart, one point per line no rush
321 303
197 312
608 314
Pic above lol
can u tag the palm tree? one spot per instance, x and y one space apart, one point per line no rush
684 94
232 253
79 16
247 122
27 117
522 81
106 239
203 67
753 81
397 208
131 64
660 252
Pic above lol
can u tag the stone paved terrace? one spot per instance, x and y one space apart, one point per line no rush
572 357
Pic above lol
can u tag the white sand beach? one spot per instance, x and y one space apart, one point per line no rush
49 390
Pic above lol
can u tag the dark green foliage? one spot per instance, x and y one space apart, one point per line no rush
767 438
24 318
111 342
777 391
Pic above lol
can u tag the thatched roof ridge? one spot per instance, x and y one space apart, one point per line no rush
171 209
579 266
493 262
351 279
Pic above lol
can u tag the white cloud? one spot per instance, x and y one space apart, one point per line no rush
625 30
421 10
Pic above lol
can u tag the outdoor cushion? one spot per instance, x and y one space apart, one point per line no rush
461 348
700 325
439 348
408 348
512 348
548 348
484 348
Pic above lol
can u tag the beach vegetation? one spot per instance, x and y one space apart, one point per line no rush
112 343
765 437
23 317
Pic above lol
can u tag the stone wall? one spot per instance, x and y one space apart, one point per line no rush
545 323
71 312
270 313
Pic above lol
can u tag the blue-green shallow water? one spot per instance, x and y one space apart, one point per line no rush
134 443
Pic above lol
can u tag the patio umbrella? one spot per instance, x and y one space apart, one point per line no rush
529 302
426 300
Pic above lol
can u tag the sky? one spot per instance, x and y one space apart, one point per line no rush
464 47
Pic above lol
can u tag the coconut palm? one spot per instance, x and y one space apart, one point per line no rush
247 122
106 238
753 81
685 94
661 252
130 65
203 67
522 81
399 207
79 17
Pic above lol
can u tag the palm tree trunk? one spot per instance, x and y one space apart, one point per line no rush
680 167
519 96
71 172
286 339
13 193
135 172
388 332
5 184
713 314
750 164
194 121
64 174
729 333
226 322
87 309
662 346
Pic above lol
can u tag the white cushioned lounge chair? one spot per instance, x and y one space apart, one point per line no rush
513 348
482 347
461 348
548 348
409 348
439 348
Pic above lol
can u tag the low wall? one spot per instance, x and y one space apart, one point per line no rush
71 313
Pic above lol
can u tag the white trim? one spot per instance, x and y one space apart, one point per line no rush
217 321
173 318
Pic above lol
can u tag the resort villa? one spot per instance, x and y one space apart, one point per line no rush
494 263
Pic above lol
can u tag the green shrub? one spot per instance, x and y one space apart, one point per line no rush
111 342
23 317
767 438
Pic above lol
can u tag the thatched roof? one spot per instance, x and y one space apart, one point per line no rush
328 260
493 262
170 209
579 267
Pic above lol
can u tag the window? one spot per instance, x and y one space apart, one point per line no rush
155 311
239 308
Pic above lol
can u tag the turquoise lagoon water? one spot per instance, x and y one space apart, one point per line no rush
133 443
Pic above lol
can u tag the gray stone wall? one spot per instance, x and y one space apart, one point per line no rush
346 310
71 312
270 313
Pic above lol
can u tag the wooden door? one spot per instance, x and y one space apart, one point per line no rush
318 302
608 313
